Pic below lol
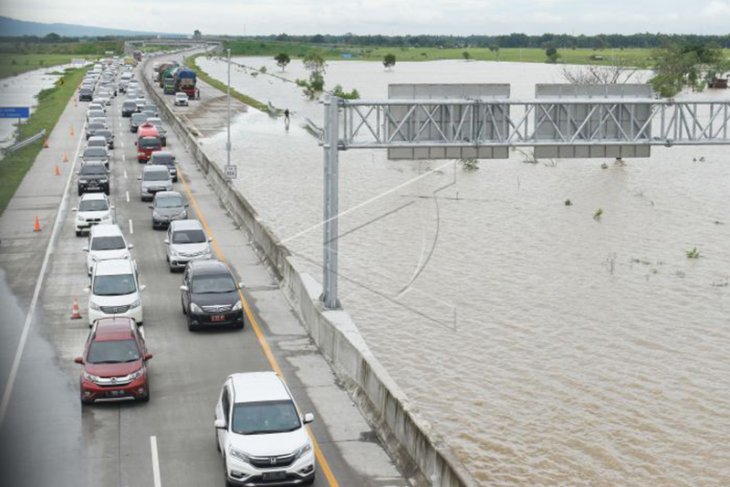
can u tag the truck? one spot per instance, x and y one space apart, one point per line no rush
160 68
137 55
165 70
185 80
168 81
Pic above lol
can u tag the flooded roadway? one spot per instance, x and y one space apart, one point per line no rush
546 346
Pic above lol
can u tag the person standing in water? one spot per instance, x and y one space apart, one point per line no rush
286 118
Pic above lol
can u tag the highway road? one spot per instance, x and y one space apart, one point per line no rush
48 438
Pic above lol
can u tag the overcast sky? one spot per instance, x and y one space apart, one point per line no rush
390 17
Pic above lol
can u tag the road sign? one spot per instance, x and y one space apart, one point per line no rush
231 171
14 112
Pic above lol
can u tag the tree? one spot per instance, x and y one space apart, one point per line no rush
466 55
552 54
685 65
314 63
197 34
52 37
389 61
282 60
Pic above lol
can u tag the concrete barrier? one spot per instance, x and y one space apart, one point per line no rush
420 453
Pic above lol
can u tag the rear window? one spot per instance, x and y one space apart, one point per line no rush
129 104
93 205
165 159
95 152
149 143
156 175
108 243
92 169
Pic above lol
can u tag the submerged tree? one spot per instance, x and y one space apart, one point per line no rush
282 60
389 61
679 66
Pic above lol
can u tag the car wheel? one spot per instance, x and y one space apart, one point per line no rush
191 327
182 305
107 191
147 397
84 402
80 191
225 475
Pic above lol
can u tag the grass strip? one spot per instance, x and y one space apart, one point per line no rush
190 63
15 64
51 104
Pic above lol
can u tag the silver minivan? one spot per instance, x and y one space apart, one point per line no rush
154 178
186 240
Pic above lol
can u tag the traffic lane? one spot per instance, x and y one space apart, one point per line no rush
347 441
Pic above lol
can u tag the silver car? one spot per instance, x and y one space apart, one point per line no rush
154 178
186 240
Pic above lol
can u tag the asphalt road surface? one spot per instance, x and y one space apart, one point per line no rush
48 438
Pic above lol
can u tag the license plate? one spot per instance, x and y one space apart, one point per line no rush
115 393
217 317
274 475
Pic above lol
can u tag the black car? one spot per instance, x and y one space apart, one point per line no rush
86 94
210 296
128 108
166 207
92 127
93 176
136 120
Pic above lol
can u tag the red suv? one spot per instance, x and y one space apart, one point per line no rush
115 362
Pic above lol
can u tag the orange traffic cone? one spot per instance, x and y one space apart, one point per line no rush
75 313
72 131
37 224
45 144
65 156
57 172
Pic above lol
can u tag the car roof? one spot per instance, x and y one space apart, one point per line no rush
162 153
100 138
114 328
162 194
208 266
155 167
106 230
257 387
93 196
190 224
113 267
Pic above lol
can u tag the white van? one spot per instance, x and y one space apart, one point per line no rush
115 290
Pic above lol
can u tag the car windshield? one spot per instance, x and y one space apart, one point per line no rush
113 352
130 104
114 285
95 152
188 236
138 118
104 133
156 175
93 205
92 169
168 201
255 418
108 243
149 143
213 284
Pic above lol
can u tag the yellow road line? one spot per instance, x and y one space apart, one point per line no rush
323 464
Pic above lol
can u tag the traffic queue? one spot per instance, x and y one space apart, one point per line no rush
259 431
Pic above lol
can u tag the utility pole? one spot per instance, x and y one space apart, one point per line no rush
331 204
228 142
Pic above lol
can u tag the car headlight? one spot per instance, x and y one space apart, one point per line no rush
195 308
83 181
155 214
137 374
301 451
89 377
239 454
183 213
94 306
237 306
103 180
108 216
136 303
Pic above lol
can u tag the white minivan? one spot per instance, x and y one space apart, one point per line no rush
260 432
115 290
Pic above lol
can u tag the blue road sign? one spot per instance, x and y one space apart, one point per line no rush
14 112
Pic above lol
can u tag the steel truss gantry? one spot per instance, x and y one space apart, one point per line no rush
487 127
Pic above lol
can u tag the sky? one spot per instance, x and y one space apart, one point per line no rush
388 17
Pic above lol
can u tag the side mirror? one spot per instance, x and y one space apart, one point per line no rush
151 207
166 241
79 360
187 205
308 418
135 143
74 209
85 249
219 424
210 239
130 246
111 207
147 356
142 287
139 178
184 288
87 289
240 284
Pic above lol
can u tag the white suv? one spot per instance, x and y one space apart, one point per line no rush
260 432
93 209
181 99
114 290
106 242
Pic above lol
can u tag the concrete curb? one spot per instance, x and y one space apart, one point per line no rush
420 453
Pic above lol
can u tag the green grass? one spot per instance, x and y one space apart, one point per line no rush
14 64
51 103
190 63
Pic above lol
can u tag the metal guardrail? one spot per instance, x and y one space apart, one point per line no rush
23 143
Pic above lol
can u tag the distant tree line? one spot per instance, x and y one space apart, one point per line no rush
562 41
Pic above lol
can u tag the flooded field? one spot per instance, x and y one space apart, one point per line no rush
546 345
